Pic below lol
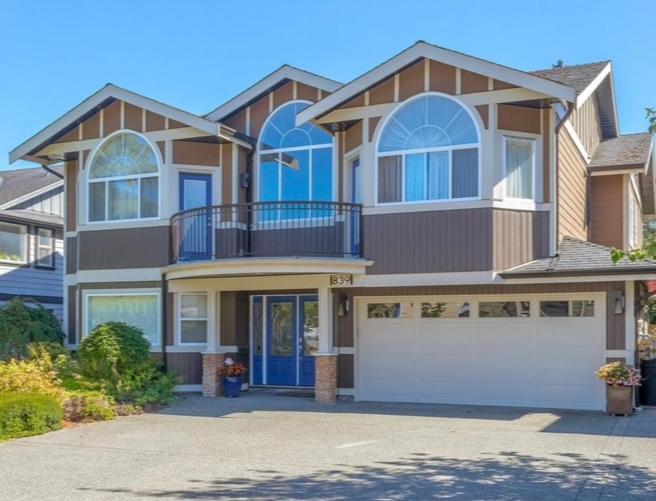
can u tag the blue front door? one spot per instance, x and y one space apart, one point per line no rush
196 225
285 337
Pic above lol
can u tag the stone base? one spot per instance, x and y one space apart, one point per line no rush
212 386
325 388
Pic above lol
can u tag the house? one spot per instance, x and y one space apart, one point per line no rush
436 230
31 236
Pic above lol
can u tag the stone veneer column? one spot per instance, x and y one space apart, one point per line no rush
325 386
212 386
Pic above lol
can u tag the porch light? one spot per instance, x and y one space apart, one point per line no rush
619 303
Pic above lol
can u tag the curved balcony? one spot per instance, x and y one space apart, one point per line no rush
330 230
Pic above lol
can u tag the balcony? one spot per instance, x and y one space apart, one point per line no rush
310 230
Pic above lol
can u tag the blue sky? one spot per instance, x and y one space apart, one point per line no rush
196 54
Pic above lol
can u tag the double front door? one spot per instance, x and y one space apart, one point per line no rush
285 337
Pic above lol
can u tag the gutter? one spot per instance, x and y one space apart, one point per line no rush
577 273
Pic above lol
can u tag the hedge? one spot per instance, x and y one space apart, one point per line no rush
25 414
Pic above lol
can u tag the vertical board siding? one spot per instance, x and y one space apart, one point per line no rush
187 366
70 183
71 254
51 202
586 122
519 237
572 189
606 210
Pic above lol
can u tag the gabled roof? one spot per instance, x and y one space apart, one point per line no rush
576 258
421 50
629 151
578 76
32 216
19 185
99 100
271 81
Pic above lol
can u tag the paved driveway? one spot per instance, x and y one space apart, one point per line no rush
265 446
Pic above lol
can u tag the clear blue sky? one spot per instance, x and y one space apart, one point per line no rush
196 54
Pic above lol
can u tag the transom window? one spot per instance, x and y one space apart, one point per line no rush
124 179
428 150
296 163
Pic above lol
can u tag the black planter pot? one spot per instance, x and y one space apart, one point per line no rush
648 388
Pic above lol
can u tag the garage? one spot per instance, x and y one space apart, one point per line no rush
531 351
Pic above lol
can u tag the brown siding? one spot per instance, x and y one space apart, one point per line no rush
70 178
354 103
306 92
234 319
242 160
472 82
71 254
345 371
170 319
606 210
442 78
187 366
383 92
71 136
373 123
353 136
188 152
133 117
546 156
259 113
174 124
411 80
91 127
124 248
484 111
519 237
519 118
587 125
226 173
499 85
237 121
572 180
154 121
112 118
283 94
71 314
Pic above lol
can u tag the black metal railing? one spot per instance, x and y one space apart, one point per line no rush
267 229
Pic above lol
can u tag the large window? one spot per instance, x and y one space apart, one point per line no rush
45 247
296 163
193 318
519 157
139 309
428 150
13 243
123 180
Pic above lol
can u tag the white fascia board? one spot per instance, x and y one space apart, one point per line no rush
32 194
596 82
107 92
580 278
283 73
456 59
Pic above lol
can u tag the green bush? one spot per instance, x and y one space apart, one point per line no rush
23 322
112 350
30 376
146 385
24 414
88 406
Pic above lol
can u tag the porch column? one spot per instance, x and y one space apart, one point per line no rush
326 358
212 359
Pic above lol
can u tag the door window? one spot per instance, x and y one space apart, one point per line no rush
282 329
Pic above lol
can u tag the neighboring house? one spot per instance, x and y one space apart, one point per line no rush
31 236
436 230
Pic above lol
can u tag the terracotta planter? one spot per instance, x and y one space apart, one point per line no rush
619 400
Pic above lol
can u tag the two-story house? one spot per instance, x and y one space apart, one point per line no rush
31 236
435 230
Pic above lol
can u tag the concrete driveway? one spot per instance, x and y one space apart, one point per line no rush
265 446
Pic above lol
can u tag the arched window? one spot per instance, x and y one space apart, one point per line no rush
296 163
123 179
428 150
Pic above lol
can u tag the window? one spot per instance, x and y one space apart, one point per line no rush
428 150
296 163
384 310
45 247
13 243
519 158
567 308
123 179
444 310
193 318
504 309
139 309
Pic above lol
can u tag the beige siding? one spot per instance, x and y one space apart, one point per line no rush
572 181
587 125
606 210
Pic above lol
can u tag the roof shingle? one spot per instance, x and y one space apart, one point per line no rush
577 76
626 150
20 182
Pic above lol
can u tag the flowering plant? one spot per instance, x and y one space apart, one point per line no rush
619 374
647 345
232 369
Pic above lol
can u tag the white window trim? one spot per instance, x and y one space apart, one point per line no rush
569 309
38 247
122 292
381 128
105 180
180 319
533 142
259 152
26 241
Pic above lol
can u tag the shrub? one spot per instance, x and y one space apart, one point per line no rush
146 385
88 406
24 414
30 376
112 350
23 322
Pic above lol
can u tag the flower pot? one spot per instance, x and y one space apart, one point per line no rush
619 400
231 386
648 388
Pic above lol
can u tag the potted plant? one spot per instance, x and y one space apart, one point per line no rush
647 350
620 380
232 373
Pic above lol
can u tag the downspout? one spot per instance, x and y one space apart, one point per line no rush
165 291
249 199
570 109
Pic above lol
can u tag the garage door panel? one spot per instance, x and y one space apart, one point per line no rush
532 362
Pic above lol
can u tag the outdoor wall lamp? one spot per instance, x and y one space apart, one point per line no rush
619 303
343 305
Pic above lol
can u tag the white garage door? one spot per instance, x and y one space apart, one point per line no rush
538 351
